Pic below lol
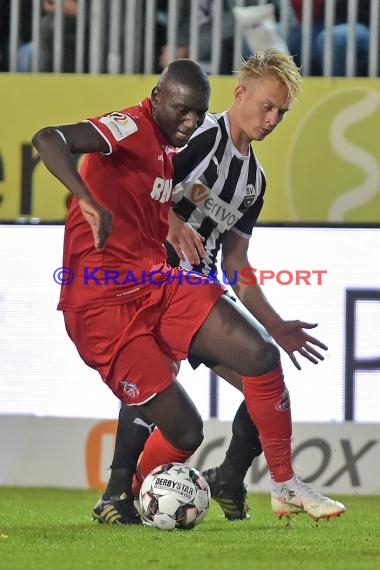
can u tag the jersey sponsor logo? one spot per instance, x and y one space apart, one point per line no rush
162 189
198 192
211 205
251 195
120 125
221 212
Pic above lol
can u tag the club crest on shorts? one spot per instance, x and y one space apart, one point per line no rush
284 403
129 389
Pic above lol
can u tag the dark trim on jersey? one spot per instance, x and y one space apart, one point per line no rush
232 178
211 173
248 219
207 227
184 208
173 258
214 253
195 152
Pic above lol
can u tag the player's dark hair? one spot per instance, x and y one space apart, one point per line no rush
185 72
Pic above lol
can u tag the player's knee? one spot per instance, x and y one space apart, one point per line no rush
273 356
191 438
267 359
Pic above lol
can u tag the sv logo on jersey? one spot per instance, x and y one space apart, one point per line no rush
162 189
250 195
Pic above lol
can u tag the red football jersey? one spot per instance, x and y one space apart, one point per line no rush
134 182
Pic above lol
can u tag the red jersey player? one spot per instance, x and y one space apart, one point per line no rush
134 331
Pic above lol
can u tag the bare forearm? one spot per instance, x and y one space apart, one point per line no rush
254 300
56 156
56 147
251 294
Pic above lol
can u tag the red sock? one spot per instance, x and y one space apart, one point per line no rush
268 405
157 451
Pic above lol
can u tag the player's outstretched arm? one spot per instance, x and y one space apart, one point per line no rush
290 335
55 146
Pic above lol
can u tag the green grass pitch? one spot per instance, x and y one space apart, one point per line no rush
51 529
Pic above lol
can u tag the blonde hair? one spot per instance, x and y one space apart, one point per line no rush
272 62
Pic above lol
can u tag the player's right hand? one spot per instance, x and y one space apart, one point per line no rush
292 337
99 220
187 242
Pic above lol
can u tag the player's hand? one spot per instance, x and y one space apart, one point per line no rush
187 242
292 337
99 220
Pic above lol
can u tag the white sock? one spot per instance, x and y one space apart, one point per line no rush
290 483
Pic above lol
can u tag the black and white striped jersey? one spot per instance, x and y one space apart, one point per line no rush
217 189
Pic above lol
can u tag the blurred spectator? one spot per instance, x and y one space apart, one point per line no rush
4 34
70 9
205 8
24 29
339 37
161 36
205 21
260 27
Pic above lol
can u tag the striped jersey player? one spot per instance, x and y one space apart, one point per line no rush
220 189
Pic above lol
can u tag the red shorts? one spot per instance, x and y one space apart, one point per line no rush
133 345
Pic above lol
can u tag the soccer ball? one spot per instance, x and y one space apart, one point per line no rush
174 495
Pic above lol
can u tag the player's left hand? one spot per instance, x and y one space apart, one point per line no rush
292 337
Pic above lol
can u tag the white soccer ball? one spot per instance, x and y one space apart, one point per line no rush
174 495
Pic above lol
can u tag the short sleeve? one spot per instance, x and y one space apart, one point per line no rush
116 128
